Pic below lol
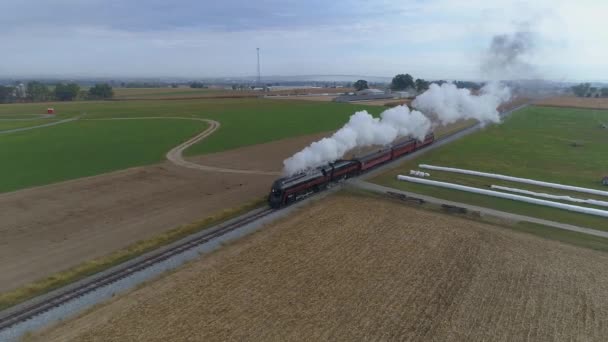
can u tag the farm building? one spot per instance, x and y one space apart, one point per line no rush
366 92
605 180
365 95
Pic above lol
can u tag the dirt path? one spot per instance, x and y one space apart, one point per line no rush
21 129
176 157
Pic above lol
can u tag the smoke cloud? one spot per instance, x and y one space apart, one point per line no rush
360 131
441 104
505 57
445 103
450 104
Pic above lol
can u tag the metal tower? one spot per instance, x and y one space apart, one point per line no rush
259 81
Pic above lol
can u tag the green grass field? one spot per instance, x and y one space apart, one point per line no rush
47 155
85 148
533 143
8 125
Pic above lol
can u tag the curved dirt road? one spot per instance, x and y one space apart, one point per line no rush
175 155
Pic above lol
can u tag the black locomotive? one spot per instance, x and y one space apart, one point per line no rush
290 189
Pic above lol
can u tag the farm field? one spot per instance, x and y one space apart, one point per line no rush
86 148
140 142
536 143
335 272
184 93
165 93
51 228
576 102
319 98
6 125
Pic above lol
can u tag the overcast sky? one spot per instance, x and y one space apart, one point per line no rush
201 38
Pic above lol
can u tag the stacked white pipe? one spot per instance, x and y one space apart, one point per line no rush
419 173
515 179
569 207
550 196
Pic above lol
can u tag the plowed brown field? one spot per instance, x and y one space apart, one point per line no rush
354 268
51 228
577 102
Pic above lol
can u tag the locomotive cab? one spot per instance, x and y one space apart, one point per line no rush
276 195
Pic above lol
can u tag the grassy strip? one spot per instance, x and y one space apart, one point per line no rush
94 266
573 238
535 142
521 208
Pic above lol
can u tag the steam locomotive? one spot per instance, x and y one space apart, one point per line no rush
290 189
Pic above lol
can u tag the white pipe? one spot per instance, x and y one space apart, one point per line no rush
558 205
419 173
516 179
555 197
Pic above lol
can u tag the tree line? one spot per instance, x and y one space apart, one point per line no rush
36 91
586 90
406 82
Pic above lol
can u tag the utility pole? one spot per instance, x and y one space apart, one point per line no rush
259 78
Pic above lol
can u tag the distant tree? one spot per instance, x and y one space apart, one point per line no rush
581 89
7 94
174 85
403 82
36 91
604 92
360 85
421 85
143 85
66 92
468 85
234 87
101 91
197 85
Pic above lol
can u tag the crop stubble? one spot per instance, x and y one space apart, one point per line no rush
356 268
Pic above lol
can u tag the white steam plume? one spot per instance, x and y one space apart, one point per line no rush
361 130
451 104
446 102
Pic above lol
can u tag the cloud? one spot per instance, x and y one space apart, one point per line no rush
430 39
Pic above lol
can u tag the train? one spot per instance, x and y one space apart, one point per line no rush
287 190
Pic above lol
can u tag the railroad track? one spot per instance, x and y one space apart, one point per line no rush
30 311
33 310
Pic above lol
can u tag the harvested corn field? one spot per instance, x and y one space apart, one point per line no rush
353 267
576 102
